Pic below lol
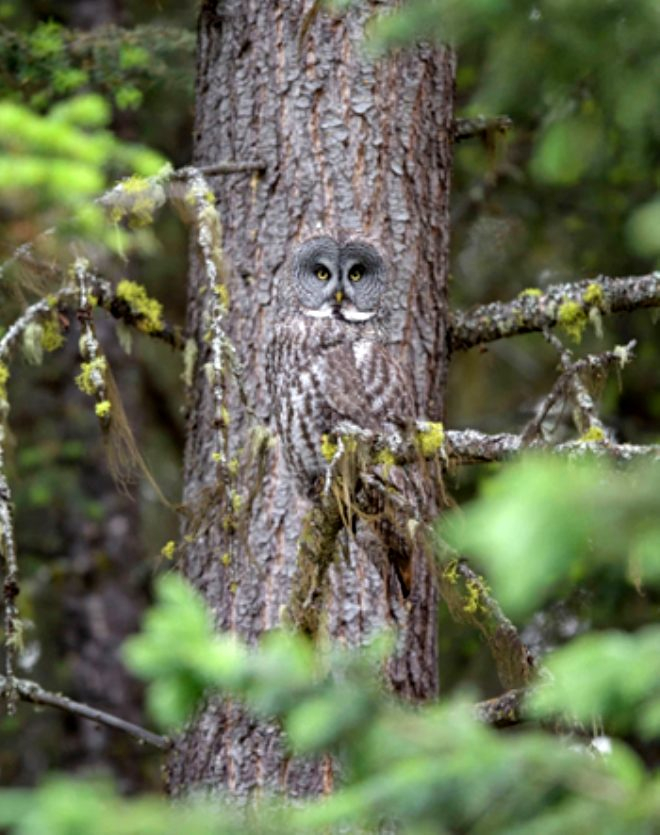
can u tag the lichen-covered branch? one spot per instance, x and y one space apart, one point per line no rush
569 305
502 711
481 126
30 691
469 601
468 446
10 588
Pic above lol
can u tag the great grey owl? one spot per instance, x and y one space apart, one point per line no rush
328 361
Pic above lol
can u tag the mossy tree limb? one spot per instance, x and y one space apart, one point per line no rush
530 312
469 601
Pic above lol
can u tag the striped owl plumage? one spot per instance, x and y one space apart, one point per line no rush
328 361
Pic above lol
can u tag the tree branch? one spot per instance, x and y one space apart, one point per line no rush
30 691
231 167
502 711
482 126
534 311
469 601
468 446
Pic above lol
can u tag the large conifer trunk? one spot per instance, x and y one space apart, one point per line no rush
347 144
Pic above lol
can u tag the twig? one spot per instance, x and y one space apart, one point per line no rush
529 312
229 167
571 379
30 691
482 126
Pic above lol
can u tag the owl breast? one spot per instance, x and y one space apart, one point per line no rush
322 372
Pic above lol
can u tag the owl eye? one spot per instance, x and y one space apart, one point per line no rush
356 272
322 274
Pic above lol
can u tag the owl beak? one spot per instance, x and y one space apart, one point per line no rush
339 295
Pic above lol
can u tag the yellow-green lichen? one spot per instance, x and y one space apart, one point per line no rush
143 204
387 460
430 440
222 293
233 467
572 319
148 311
328 448
450 572
88 370
52 337
225 559
168 549
103 409
530 292
224 414
594 434
236 501
471 605
4 376
594 295
216 456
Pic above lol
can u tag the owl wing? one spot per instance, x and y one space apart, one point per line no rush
365 385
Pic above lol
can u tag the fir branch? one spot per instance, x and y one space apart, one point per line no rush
30 691
534 311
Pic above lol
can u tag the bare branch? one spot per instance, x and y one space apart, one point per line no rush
531 312
30 691
231 167
481 126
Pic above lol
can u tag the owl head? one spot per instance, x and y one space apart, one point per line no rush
340 280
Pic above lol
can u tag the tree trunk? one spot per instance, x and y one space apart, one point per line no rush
348 145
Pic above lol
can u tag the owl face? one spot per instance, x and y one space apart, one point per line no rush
341 281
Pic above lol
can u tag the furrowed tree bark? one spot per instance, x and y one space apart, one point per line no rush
347 145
